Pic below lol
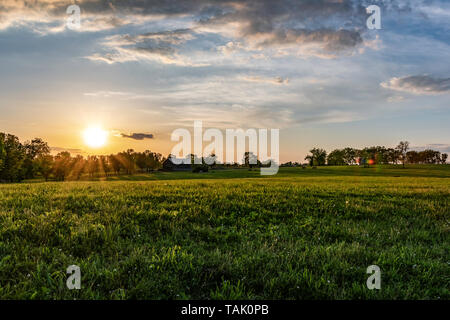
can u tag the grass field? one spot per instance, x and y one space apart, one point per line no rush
302 234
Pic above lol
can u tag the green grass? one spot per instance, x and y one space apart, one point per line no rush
302 234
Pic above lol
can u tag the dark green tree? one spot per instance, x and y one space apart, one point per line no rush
317 157
14 158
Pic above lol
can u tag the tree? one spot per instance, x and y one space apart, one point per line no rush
317 158
336 158
92 165
430 156
141 161
116 164
78 165
402 148
44 165
250 159
444 157
412 157
2 153
104 165
349 155
211 160
392 155
14 157
153 160
364 157
34 149
127 160
158 160
62 165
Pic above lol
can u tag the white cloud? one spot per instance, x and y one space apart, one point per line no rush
420 84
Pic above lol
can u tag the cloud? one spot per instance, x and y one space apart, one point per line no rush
49 16
161 47
321 28
276 80
333 116
395 99
420 84
70 150
326 28
137 136
230 47
442 147
108 94
326 39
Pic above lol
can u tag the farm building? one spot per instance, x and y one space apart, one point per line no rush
168 165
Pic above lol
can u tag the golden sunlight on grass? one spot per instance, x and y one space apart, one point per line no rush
95 137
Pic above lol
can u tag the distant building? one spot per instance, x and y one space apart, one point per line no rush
168 165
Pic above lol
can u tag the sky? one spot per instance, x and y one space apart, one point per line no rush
141 69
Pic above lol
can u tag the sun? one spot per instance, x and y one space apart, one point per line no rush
95 137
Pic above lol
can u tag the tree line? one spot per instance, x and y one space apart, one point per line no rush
375 155
32 159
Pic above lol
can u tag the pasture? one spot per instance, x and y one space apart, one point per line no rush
230 234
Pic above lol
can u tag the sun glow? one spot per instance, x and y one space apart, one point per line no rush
95 137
